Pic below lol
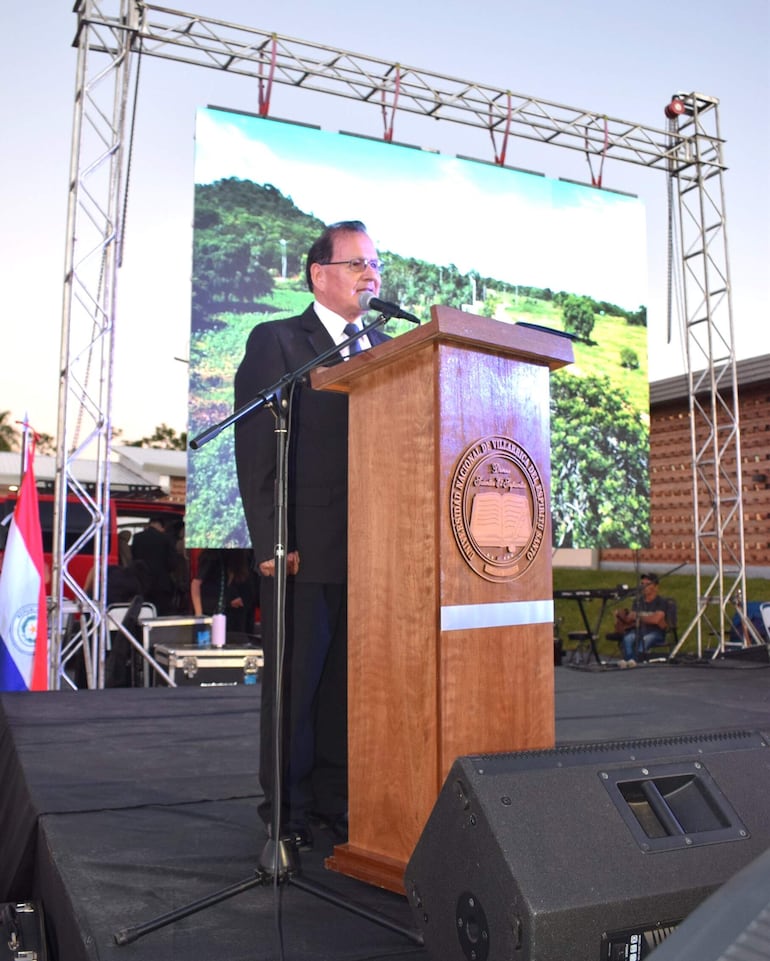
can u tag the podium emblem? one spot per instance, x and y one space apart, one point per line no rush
497 508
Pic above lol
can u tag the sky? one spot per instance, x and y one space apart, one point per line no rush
615 58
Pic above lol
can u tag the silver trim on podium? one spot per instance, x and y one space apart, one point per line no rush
461 617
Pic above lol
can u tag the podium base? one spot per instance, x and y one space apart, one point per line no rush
376 869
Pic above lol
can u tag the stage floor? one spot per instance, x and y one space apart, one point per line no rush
120 806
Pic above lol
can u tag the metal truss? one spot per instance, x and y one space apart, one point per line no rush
88 320
712 378
268 57
111 34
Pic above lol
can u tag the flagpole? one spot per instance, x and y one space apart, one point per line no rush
24 424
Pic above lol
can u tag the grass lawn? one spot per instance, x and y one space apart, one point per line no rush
601 357
679 586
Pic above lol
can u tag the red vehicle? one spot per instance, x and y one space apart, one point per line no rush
125 513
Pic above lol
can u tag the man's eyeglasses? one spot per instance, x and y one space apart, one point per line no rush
358 264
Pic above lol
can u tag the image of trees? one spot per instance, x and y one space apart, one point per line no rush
248 266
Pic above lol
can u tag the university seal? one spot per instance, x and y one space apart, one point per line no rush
497 508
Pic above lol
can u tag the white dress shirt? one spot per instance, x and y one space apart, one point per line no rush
335 325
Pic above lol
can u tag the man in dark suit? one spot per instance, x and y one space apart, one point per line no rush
341 265
155 548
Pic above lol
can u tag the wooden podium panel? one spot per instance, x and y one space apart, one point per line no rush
443 661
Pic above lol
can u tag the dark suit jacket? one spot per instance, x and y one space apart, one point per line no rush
157 551
318 452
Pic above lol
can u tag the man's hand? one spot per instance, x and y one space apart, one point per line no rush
267 568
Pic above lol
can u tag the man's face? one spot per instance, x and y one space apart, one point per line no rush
338 287
650 589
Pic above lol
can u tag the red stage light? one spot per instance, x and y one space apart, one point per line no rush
675 109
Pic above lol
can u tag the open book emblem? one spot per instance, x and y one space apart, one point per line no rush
498 508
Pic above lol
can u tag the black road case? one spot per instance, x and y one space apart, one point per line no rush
209 666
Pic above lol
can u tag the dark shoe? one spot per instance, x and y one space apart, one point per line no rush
335 824
298 835
301 837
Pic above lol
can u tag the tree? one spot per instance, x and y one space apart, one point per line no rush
10 438
578 316
226 271
164 438
599 464
491 302
246 234
46 444
629 358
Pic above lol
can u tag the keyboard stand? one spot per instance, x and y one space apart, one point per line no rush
587 639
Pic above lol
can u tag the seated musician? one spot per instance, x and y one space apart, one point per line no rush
644 625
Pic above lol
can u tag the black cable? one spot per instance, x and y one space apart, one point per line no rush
124 205
670 236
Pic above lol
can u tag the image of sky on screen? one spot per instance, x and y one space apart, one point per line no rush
514 226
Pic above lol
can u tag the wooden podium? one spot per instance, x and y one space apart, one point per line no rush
450 646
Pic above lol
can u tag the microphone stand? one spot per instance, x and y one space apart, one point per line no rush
638 600
279 861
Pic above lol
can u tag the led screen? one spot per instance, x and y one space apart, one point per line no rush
491 240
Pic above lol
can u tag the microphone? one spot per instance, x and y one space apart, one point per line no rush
367 301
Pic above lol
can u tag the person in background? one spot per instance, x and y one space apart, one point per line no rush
180 576
125 555
342 264
226 584
644 624
158 551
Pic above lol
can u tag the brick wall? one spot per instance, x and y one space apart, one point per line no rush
673 526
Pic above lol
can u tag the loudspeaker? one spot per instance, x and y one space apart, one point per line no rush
731 925
590 852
